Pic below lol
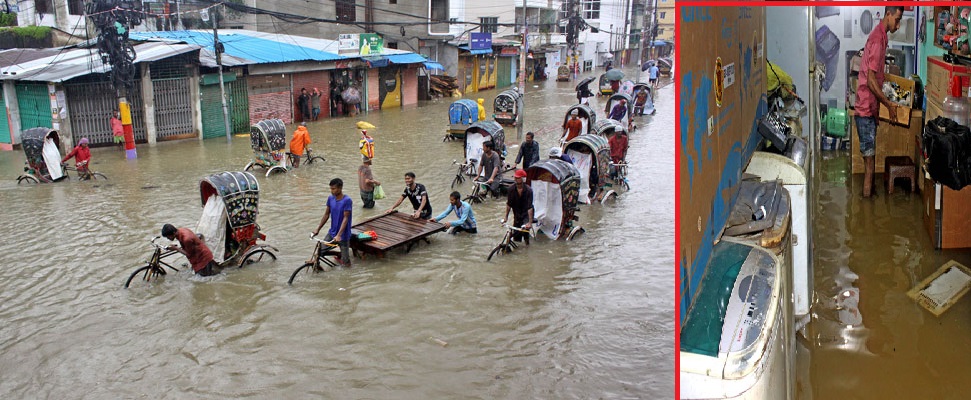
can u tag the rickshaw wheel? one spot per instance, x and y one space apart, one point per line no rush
308 266
26 178
276 168
148 271
257 256
609 195
574 232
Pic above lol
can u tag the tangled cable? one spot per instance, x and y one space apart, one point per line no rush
114 19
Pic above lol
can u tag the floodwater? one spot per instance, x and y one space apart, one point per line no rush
590 318
867 338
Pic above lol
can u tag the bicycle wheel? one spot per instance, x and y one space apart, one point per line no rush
258 256
458 179
27 179
98 175
315 158
148 271
308 266
497 249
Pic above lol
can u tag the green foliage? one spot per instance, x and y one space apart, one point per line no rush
32 32
8 19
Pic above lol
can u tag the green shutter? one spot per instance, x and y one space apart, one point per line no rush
4 122
504 72
35 105
213 125
239 112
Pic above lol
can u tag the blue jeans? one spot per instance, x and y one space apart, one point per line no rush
866 129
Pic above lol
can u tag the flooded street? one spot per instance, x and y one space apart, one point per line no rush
867 339
590 318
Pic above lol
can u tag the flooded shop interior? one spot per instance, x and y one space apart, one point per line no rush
824 221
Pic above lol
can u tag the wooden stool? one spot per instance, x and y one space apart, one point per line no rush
901 167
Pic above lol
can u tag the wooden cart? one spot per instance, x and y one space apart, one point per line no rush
393 230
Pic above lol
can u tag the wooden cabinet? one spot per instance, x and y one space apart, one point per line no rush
892 140
947 214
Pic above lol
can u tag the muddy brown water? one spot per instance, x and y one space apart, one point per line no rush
586 319
867 338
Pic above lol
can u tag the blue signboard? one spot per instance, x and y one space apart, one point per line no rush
480 41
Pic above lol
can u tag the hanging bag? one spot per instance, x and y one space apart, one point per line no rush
378 192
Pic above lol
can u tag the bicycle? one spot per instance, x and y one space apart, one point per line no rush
84 173
322 250
620 174
506 245
308 156
464 169
155 265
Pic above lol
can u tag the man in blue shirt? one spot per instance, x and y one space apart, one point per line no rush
652 73
466 219
338 210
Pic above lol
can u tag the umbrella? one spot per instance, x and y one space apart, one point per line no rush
364 125
351 95
614 75
584 83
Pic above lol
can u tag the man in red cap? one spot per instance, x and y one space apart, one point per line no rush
520 201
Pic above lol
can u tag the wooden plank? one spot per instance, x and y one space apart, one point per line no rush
394 229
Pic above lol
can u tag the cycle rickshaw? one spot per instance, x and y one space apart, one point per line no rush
508 107
587 116
268 138
476 134
556 186
605 88
648 106
626 120
591 156
42 146
461 114
563 74
228 226
607 128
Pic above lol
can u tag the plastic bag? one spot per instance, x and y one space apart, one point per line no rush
378 192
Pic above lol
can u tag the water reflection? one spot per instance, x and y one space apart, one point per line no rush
867 339
585 319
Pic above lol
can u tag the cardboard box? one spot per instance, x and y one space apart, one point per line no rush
721 106
903 112
892 140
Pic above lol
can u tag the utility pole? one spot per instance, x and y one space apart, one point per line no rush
524 47
178 14
217 47
640 44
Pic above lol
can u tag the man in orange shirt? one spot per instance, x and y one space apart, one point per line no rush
571 128
300 141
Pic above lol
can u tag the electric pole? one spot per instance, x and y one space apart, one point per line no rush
217 47
524 47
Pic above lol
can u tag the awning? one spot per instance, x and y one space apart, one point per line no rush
376 61
431 66
407 58
477 51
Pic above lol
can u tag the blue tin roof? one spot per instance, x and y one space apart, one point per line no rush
254 49
407 58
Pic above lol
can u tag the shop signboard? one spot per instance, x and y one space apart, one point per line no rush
348 42
371 44
480 41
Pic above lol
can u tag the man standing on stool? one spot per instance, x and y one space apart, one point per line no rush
869 92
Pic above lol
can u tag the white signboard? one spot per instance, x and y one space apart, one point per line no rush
348 43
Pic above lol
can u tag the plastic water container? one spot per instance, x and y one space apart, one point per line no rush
835 122
956 107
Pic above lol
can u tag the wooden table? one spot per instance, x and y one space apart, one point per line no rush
394 230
